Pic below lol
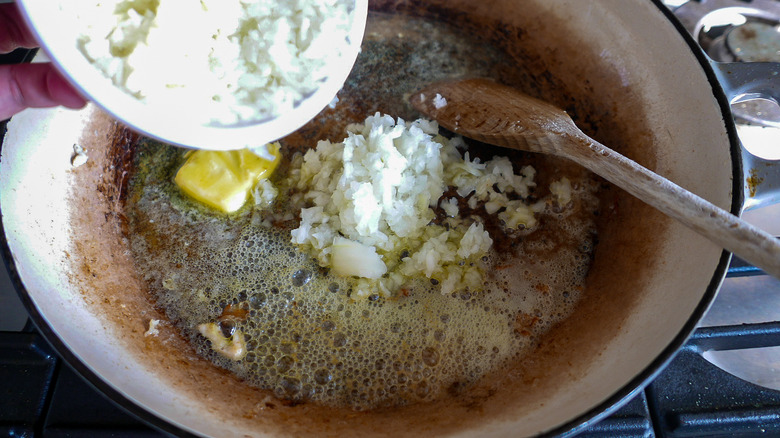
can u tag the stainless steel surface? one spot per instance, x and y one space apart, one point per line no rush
754 42
711 22
736 30
762 176
752 299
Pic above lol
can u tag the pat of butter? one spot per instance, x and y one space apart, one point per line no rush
224 179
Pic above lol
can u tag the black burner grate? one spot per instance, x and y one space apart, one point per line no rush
41 397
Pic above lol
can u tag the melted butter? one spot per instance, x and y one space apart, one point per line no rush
224 179
306 338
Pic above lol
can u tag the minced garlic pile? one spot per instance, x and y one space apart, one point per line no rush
367 206
241 60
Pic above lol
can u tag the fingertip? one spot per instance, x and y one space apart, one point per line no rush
63 92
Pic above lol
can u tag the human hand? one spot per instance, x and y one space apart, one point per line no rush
23 86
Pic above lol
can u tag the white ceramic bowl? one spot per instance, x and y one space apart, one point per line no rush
52 24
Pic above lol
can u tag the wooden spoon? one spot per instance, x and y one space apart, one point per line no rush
499 115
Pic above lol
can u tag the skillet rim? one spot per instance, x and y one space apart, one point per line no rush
569 428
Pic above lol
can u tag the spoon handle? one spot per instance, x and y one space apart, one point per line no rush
734 234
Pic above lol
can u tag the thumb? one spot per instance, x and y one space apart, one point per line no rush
34 86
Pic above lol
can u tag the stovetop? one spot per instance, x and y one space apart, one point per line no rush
724 383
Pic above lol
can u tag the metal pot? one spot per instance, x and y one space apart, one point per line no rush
634 79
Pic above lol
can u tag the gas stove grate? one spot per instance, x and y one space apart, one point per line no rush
41 397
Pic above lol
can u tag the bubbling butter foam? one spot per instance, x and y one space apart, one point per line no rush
308 340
